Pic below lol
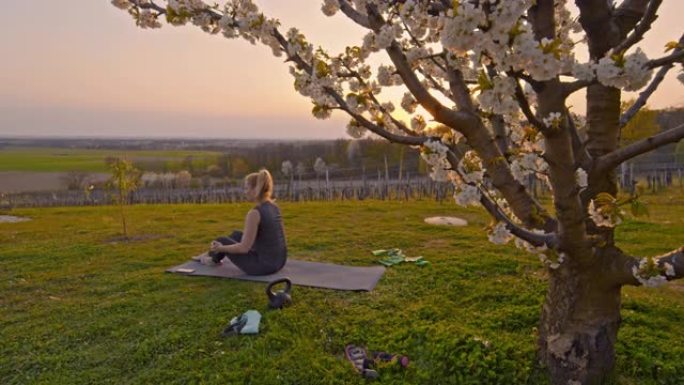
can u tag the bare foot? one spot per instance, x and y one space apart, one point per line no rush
207 260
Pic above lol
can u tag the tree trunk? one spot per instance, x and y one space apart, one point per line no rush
579 325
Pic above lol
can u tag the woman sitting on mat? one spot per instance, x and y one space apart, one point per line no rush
262 248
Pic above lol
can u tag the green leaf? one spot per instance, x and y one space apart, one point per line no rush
670 45
483 82
603 199
639 208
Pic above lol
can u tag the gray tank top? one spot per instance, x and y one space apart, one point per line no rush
270 244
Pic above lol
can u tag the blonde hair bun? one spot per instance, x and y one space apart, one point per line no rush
262 183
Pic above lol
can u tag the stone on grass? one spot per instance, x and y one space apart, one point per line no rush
446 221
12 219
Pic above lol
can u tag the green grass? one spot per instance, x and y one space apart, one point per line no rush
79 309
64 159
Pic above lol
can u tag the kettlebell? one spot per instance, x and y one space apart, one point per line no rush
280 298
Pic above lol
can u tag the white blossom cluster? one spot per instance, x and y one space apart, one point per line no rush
499 234
409 103
298 46
436 158
467 195
548 257
147 19
505 207
503 38
355 129
461 28
190 5
581 178
553 120
584 71
529 163
550 263
314 87
629 73
649 274
471 168
414 54
386 77
498 99
374 42
330 7
418 123
526 138
602 217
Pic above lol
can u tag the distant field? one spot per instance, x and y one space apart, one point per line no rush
36 159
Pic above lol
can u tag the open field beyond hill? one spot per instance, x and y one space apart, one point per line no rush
50 159
81 308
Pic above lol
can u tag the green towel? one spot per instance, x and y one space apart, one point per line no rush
396 256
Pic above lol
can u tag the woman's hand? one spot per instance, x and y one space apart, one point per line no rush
215 246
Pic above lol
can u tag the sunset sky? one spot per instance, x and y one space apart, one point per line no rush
82 68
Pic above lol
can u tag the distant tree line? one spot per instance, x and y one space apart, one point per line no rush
341 158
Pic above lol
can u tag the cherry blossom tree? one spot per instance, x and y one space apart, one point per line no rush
486 84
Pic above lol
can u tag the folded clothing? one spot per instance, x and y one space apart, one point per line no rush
245 323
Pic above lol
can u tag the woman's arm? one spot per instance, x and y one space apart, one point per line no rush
248 235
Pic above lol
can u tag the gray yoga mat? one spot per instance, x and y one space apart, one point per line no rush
314 274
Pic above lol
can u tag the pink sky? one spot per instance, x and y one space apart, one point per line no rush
82 68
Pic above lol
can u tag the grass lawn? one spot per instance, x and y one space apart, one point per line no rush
48 159
76 308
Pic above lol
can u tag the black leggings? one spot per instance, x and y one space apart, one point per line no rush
249 263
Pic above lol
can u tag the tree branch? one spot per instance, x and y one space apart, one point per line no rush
436 85
433 59
374 128
542 20
644 95
460 90
675 57
525 107
351 13
498 123
582 156
624 267
441 113
549 240
396 122
150 5
596 18
644 25
612 159
570 88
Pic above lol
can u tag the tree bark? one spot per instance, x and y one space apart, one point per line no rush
579 326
